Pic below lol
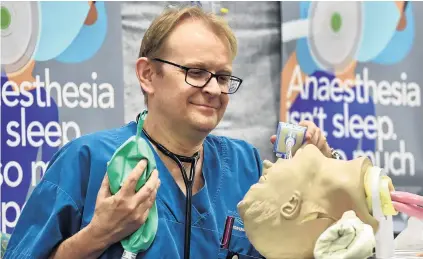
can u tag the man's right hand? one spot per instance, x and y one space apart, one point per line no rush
118 216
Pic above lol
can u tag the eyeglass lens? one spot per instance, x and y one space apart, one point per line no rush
199 78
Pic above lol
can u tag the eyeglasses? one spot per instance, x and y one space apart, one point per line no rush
198 77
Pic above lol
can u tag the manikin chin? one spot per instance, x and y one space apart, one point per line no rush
296 200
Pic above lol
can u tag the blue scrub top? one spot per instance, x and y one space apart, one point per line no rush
64 201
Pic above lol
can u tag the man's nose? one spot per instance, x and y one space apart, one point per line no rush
213 87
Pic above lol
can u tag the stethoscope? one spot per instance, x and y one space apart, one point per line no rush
188 180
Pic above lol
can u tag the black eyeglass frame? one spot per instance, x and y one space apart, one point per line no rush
212 75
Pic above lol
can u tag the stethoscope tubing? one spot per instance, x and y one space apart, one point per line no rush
189 181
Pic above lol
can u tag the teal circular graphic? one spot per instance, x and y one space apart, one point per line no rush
19 34
43 31
335 33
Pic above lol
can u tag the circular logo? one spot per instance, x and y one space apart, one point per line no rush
335 34
19 34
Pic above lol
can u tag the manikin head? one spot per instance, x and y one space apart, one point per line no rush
296 200
187 100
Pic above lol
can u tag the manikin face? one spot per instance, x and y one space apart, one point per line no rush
192 44
296 200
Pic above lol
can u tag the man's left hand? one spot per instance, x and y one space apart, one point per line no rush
314 136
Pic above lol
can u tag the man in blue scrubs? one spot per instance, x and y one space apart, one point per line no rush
184 70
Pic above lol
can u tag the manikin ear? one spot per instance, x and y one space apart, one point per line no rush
145 72
291 209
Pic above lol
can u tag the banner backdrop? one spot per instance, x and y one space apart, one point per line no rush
61 77
354 68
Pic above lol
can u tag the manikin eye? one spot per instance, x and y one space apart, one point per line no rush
335 33
19 32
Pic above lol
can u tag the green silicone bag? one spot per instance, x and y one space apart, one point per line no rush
123 161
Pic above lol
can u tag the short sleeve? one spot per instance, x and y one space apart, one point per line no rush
52 213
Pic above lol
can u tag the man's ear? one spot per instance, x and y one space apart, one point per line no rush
145 72
291 209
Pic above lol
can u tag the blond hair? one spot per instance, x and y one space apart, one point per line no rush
153 41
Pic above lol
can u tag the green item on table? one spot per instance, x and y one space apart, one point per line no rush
123 161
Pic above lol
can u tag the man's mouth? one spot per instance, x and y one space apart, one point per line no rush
207 106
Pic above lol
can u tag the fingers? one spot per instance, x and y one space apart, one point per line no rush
311 127
313 134
145 216
273 139
130 183
322 141
309 135
316 137
104 191
148 192
307 124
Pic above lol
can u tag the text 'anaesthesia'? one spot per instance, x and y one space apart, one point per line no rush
354 100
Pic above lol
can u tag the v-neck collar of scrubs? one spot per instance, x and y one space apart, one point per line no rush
174 199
